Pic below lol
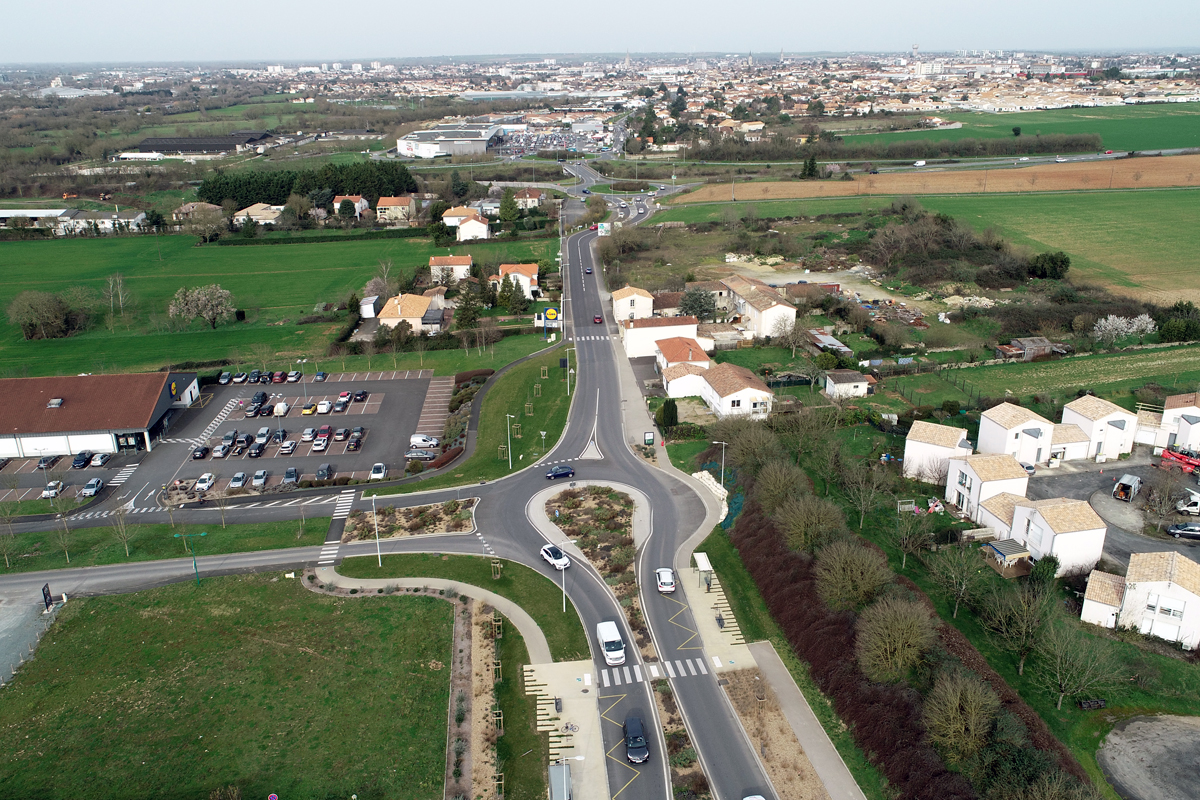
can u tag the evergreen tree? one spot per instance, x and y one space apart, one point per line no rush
670 416
467 312
504 296
508 207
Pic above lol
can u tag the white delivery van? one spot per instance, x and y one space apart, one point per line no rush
1190 504
609 638
282 409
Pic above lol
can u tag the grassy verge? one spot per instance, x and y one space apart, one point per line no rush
522 752
683 454
757 625
89 547
540 598
131 695
509 395
442 362
37 505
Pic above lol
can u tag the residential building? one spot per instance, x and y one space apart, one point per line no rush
450 269
845 383
719 291
1110 429
359 202
529 198
684 380
733 391
488 207
1159 596
680 350
1013 429
453 216
408 308
1181 416
472 228
1069 530
396 209
188 210
629 302
719 335
74 221
640 336
261 213
762 309
972 479
666 304
522 276
1068 443
928 449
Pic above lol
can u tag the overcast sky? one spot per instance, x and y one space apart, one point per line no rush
73 31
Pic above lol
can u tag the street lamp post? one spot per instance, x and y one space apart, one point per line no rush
185 537
378 554
722 462
508 430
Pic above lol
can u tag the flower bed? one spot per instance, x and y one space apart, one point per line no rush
452 516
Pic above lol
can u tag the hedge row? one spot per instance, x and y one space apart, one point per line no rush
472 374
445 458
389 233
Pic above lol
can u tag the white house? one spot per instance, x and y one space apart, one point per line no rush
453 217
629 302
928 449
971 479
733 391
450 269
76 221
1181 416
396 209
360 204
1110 429
472 228
1068 443
684 380
528 198
410 308
369 307
640 336
1159 595
843 383
261 213
1013 429
1067 529
680 350
762 309
522 276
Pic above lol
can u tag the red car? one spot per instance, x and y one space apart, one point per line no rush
324 432
1108 152
594 228
280 377
599 320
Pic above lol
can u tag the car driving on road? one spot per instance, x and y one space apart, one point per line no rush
560 472
636 750
555 557
665 578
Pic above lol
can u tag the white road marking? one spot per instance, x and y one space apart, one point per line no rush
692 668
670 672
638 672
700 664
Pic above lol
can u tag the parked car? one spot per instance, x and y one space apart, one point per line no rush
423 441
221 450
309 409
254 376
344 396
325 472
1185 530
341 434
560 471
53 489
308 434
82 459
361 395
259 397
354 445
291 475
256 450
238 449
230 437
264 433
320 377
245 440
266 377
199 453
420 455
260 478
378 473
205 482
287 448
279 377
98 460
324 407
341 404
225 378
279 436
238 481
555 557
91 488
324 432
46 462
320 445
636 750
239 378
1029 468
358 432
294 376
282 409
252 410
665 578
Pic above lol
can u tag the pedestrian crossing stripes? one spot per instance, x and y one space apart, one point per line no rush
316 501
630 674
345 502
328 554
123 475
221 417
590 338
190 442
111 511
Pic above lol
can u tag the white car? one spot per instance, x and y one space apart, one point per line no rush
665 579
308 434
239 481
221 450
555 557
92 486
206 482
324 407
320 445
421 441
378 472
53 489
260 478
282 409
100 459
264 433
287 448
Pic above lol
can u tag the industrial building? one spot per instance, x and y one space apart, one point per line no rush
459 139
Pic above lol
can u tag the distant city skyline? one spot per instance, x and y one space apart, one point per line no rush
87 32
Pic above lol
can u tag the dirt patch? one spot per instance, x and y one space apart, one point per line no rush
452 516
687 776
1124 173
462 720
790 771
1149 758
483 733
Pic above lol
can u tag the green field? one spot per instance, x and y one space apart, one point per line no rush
541 598
1155 127
249 681
274 283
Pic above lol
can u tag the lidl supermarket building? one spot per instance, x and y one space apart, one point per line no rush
102 413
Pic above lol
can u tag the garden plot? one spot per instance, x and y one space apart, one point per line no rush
452 516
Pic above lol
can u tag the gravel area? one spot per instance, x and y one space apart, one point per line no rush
1151 758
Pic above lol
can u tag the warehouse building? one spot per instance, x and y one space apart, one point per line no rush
102 413
464 139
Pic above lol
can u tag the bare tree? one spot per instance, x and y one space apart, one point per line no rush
222 501
893 635
849 574
11 482
262 353
1017 618
122 530
419 345
1071 663
8 540
809 522
958 572
777 481
863 483
61 505
1164 489
753 447
958 714
369 350
911 535
787 333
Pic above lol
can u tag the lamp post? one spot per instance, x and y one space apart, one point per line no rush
508 430
378 554
722 462
185 537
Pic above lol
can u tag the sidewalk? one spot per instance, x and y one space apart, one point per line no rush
535 640
575 732
1139 458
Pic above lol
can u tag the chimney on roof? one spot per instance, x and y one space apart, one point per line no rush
55 402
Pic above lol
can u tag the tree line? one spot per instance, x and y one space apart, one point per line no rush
836 149
371 179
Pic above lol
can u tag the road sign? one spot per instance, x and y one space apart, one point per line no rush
550 318
649 437
604 229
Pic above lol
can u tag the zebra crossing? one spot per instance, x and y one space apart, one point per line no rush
221 417
328 554
633 673
111 511
316 501
590 338
345 501
123 475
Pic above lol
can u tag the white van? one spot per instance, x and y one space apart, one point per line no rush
282 409
918 163
609 637
1189 504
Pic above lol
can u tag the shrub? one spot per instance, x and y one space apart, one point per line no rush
778 481
472 374
809 522
445 458
415 467
958 715
849 574
893 635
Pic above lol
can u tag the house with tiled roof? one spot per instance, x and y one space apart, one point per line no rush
640 336
1159 595
1013 429
666 304
971 479
1068 442
730 390
1110 429
529 198
680 350
630 302
359 202
1070 530
684 380
453 217
845 383
719 291
761 308
1177 425
928 449
410 308
523 276
396 209
472 228
450 269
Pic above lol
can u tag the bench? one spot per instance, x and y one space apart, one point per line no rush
1092 705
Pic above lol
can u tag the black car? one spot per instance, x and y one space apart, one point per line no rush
420 455
635 741
82 459
324 472
354 445
46 462
254 375
360 395
245 439
279 436
1185 530
560 472
259 398
256 450
199 453
266 377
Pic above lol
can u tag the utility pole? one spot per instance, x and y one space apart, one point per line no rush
722 462
508 430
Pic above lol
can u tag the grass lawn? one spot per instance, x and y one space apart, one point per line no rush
38 550
247 681
36 505
442 362
272 283
510 395
541 598
683 454
757 625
